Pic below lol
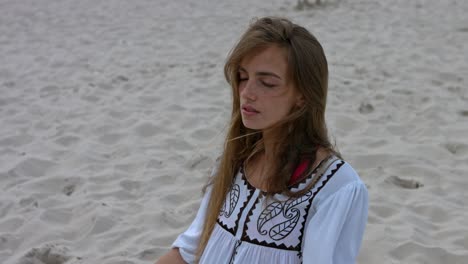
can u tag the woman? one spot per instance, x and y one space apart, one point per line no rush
280 192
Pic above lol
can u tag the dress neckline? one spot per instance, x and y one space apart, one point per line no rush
296 181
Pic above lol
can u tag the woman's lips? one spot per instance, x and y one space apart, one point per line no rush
248 110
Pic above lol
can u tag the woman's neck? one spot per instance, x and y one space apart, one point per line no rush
269 145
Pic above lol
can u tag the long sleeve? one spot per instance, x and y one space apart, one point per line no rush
334 233
187 242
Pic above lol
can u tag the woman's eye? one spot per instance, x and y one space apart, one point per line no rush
243 79
269 85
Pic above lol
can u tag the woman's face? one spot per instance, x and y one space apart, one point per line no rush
266 94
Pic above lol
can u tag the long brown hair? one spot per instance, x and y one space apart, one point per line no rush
298 136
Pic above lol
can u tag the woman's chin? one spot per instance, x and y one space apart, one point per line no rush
251 125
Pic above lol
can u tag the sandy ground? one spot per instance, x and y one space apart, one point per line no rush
112 113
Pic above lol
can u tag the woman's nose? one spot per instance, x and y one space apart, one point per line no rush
248 90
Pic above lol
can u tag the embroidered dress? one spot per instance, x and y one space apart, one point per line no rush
323 226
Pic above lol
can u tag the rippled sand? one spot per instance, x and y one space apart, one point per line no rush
113 112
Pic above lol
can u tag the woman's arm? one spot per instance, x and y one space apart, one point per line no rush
335 232
184 248
171 257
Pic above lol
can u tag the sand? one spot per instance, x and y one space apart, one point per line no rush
113 112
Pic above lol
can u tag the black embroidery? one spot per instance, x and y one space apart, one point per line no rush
291 212
225 227
306 178
270 212
270 245
324 182
234 251
234 199
288 210
233 196
282 230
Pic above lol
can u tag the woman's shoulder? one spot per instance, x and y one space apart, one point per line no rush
339 177
343 173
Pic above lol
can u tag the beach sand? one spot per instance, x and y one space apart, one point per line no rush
113 112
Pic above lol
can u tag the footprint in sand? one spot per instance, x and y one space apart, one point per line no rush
200 162
306 4
120 78
30 201
366 108
404 183
69 189
456 148
149 254
464 113
47 254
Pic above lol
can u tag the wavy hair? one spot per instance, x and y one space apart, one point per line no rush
297 137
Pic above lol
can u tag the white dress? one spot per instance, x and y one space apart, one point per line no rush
324 226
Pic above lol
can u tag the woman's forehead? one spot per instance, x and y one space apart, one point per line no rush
271 58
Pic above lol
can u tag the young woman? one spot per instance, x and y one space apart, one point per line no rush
280 193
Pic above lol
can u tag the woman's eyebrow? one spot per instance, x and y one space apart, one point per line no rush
262 73
267 74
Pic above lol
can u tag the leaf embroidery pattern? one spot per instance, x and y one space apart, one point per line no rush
233 200
267 214
289 211
294 202
283 229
